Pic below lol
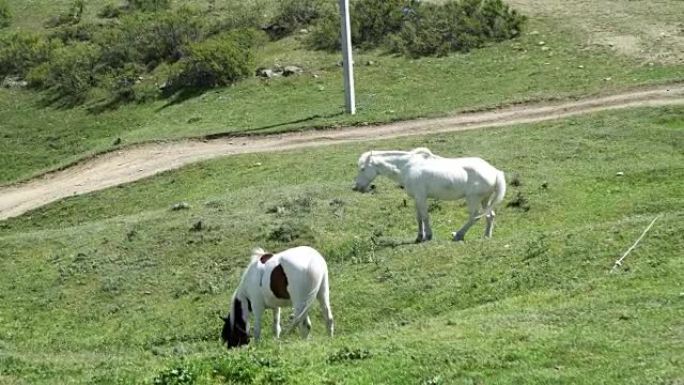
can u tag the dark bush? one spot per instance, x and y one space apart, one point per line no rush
218 61
455 27
74 32
163 36
295 14
419 29
70 72
5 14
372 21
19 52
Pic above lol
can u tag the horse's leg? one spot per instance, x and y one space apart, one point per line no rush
258 312
490 224
423 220
305 327
324 300
473 210
276 322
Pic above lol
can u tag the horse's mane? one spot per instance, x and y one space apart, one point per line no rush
422 150
257 252
419 150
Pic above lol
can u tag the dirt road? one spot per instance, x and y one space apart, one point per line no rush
137 162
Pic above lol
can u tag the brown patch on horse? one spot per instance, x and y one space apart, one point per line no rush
279 283
265 257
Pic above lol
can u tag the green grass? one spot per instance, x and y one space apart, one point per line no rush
36 138
115 288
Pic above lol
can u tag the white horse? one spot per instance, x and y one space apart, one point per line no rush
295 276
425 175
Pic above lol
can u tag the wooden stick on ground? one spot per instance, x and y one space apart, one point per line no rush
618 263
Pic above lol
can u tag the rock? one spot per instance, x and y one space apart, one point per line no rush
303 30
292 70
619 173
14 82
266 73
608 79
580 66
535 32
198 226
180 206
541 43
370 63
117 142
545 48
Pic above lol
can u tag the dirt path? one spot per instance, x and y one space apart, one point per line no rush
142 161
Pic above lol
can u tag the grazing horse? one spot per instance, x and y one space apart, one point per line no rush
296 276
426 175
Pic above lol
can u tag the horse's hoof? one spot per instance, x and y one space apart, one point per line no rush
457 237
419 240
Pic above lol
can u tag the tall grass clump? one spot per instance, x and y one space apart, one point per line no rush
5 14
295 14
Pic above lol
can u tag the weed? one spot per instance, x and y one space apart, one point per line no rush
346 354
519 202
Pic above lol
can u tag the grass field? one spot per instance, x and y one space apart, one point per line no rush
36 138
115 288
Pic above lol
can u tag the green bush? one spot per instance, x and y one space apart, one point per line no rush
419 29
111 11
295 14
70 72
149 5
239 15
72 16
455 27
374 20
5 14
218 61
163 36
19 52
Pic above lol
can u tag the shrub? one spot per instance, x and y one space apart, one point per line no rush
111 11
372 21
5 14
240 15
70 72
455 26
19 52
149 5
295 14
163 36
72 16
217 61
419 29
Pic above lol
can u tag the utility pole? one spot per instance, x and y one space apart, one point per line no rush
348 64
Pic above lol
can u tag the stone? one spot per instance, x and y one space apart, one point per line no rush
292 70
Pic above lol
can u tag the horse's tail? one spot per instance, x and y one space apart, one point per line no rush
499 192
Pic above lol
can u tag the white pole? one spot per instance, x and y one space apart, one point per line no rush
348 64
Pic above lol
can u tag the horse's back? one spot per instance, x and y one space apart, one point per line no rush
452 178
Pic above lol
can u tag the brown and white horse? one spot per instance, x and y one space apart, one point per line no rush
296 277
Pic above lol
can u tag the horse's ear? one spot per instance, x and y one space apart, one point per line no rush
265 257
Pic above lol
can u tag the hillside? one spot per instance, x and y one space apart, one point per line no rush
550 61
115 288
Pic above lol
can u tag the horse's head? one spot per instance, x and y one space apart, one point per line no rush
367 172
235 326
